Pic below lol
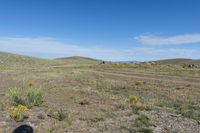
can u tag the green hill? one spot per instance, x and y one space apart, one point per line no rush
78 60
9 60
14 60
179 61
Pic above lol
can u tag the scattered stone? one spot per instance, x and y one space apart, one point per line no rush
180 88
84 102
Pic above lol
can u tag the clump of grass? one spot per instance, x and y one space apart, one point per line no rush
145 130
41 116
60 115
55 127
29 97
18 113
186 109
122 105
136 105
144 106
142 124
111 86
138 83
142 120
35 98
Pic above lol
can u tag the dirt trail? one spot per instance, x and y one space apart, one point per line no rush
152 77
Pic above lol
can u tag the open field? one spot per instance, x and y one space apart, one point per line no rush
82 95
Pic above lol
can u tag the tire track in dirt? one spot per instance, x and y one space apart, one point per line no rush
154 75
151 77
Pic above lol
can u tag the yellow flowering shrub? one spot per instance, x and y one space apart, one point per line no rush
138 83
18 113
30 83
133 99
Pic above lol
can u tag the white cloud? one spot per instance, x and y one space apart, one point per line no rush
171 40
52 48
158 53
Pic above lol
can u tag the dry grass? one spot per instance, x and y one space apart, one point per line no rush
97 96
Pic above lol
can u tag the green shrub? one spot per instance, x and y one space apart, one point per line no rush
143 120
26 96
145 130
34 97
186 109
111 86
14 95
142 124
60 115
41 116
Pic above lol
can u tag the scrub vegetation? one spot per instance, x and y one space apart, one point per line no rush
84 95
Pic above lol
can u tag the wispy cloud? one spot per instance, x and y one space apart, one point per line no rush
159 53
170 40
47 47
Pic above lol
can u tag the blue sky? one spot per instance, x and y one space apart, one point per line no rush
104 29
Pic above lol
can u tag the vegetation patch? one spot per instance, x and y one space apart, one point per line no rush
29 97
60 115
110 86
142 124
188 110
138 83
18 113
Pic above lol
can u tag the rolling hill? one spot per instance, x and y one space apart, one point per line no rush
15 60
78 60
8 60
179 61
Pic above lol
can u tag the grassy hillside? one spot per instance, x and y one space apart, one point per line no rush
15 61
78 60
179 61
